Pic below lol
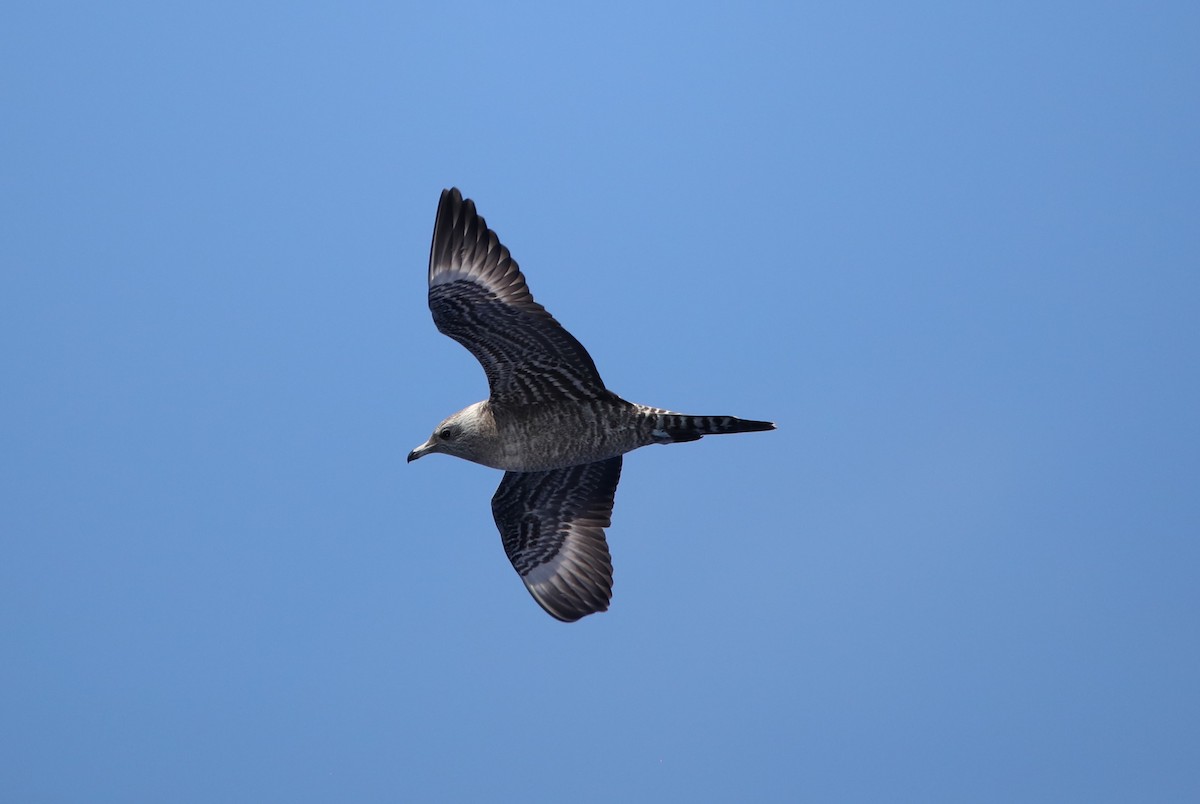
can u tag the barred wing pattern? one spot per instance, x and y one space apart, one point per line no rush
479 298
552 525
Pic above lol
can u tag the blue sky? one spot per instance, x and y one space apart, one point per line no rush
952 249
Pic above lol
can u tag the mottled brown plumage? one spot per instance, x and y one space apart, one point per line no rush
549 422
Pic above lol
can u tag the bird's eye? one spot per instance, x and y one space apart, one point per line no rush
446 434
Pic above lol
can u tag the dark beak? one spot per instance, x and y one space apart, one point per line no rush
424 449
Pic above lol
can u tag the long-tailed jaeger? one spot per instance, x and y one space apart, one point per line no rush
549 422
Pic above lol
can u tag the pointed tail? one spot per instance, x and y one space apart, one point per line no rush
675 428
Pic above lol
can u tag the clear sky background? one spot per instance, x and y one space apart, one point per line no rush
953 249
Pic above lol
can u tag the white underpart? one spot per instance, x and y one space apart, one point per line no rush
546 572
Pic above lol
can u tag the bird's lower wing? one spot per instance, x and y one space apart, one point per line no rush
552 525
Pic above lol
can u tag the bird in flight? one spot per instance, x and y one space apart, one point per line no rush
548 422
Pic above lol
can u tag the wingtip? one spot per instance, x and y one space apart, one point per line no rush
452 210
448 204
570 609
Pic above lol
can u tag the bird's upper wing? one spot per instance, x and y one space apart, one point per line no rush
552 525
479 298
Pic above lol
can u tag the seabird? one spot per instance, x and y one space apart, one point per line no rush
548 422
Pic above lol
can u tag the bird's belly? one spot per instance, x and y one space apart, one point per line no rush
555 439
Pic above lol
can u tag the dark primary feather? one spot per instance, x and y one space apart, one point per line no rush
479 298
552 525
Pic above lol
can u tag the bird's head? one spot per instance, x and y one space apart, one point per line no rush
460 435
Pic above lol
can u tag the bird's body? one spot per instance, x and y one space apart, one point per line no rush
558 434
549 421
